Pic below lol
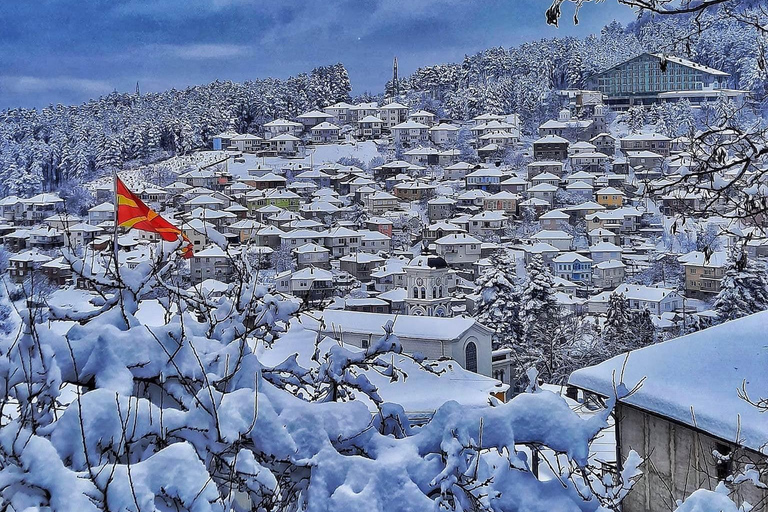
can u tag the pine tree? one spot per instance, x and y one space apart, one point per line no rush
576 71
619 318
110 154
743 290
643 330
544 342
499 307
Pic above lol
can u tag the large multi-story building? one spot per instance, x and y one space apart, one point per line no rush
654 77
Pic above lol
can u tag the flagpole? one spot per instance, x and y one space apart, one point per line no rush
115 245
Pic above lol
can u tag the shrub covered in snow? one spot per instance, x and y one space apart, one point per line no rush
103 411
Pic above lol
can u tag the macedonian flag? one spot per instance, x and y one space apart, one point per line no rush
133 213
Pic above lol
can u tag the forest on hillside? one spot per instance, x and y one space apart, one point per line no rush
60 146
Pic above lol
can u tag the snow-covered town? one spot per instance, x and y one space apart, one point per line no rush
533 280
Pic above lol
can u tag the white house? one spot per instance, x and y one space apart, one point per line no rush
309 283
282 127
410 133
314 118
247 143
393 114
325 133
604 251
555 237
459 249
656 300
340 112
211 263
369 127
444 133
460 338
543 191
423 117
608 274
488 223
573 267
284 144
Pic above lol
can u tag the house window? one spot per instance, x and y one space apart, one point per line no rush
470 356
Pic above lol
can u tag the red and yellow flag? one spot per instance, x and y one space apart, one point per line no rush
133 213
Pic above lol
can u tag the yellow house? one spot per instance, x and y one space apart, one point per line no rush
610 197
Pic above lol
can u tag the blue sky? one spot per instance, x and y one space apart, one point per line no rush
67 51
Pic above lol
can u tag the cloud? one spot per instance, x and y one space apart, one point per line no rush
22 84
201 51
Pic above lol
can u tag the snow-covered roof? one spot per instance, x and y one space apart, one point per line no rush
362 257
545 163
582 145
33 256
442 200
552 234
410 125
393 106
310 248
457 238
246 136
340 105
324 126
542 187
541 248
698 258
690 64
604 265
42 199
609 191
555 214
404 326
640 292
587 155
502 196
314 114
646 136
545 176
569 257
311 274
284 137
551 139
282 122
695 379
444 127
534 201
604 247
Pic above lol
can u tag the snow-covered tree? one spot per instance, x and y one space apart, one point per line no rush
544 344
499 306
209 407
743 290
282 259
617 322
